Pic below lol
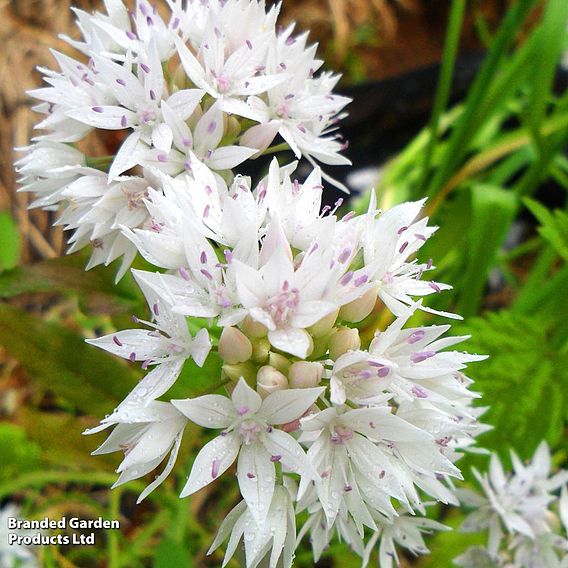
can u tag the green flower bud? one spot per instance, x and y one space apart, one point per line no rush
343 340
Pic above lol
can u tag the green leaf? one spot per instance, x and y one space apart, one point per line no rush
523 381
59 360
554 226
10 242
19 455
67 274
194 380
493 210
171 554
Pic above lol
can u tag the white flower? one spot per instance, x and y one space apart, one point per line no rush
274 539
138 107
388 242
146 434
167 345
201 141
409 363
344 526
404 531
286 296
14 555
248 432
517 504
369 453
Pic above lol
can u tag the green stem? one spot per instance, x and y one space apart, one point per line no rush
283 147
444 85
112 543
100 163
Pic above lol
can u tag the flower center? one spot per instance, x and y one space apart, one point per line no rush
280 306
341 434
249 431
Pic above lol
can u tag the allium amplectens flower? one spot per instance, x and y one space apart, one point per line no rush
323 411
526 519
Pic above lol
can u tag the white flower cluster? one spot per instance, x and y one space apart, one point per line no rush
12 554
215 81
520 511
324 416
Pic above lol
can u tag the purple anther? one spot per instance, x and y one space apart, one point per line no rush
162 158
275 459
383 372
203 257
242 410
97 109
434 286
348 488
251 475
152 95
420 237
228 256
206 211
144 67
401 230
175 24
419 392
421 356
132 356
344 256
215 468
117 341
183 273
416 336
403 247
361 280
346 278
206 273
130 35
249 43
123 121
212 126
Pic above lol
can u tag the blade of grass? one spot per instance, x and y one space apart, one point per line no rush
445 82
468 122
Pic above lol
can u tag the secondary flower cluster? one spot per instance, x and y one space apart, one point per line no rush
520 511
212 81
326 413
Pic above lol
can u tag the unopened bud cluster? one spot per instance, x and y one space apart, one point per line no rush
322 411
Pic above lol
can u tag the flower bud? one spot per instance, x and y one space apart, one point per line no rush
343 340
279 362
324 325
253 328
260 137
305 374
234 346
260 350
269 380
360 308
